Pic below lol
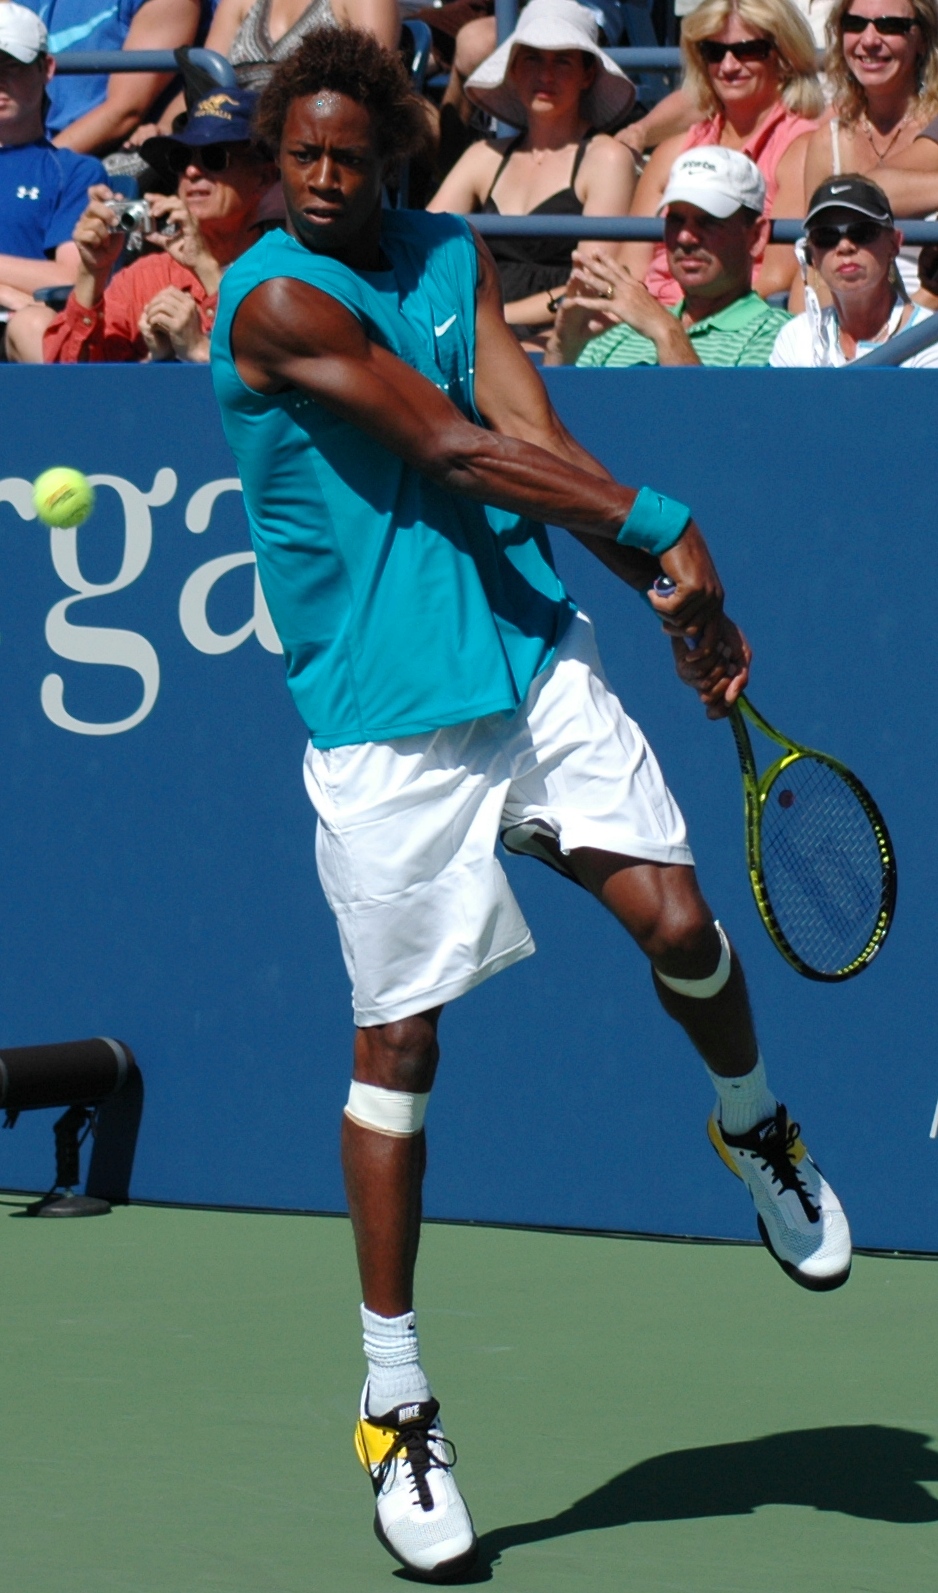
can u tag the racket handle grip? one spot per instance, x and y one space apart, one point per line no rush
663 586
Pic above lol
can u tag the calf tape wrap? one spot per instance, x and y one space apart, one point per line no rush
393 1112
703 989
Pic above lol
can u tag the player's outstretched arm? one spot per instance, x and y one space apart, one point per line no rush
288 334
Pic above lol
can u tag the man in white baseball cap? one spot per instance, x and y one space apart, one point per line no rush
714 233
43 190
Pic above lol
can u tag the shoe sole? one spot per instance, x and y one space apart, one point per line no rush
815 1285
447 1571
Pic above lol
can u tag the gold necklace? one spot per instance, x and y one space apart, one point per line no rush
867 126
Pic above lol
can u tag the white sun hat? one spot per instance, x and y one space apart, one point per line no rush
717 180
552 25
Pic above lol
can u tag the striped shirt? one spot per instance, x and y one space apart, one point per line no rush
743 333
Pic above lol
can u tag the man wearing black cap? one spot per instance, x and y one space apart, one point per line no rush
852 243
162 307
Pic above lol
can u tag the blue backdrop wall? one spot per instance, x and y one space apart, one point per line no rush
158 881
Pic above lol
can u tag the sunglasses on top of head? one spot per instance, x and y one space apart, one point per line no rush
213 158
829 234
883 25
745 50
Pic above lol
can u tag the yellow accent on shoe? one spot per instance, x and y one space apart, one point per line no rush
372 1442
719 1145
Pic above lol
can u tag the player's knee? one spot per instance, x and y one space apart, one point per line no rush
399 1056
683 940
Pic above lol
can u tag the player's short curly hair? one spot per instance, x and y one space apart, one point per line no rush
348 61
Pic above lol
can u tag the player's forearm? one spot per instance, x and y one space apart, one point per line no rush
530 480
28 275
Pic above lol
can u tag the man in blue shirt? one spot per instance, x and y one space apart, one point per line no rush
43 190
399 457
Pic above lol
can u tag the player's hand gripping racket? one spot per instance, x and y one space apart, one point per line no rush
821 863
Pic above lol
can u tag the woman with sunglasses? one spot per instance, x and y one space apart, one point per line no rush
163 305
852 243
882 62
749 65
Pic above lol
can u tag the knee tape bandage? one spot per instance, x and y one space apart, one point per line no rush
393 1112
703 989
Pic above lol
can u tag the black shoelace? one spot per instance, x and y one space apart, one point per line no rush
412 1443
775 1154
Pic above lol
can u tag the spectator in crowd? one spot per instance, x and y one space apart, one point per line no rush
714 232
551 79
161 307
43 190
464 35
884 72
911 181
255 34
750 67
852 243
95 113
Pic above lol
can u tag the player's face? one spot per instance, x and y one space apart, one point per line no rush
705 254
550 82
22 87
883 60
331 171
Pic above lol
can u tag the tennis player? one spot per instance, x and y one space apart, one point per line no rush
399 458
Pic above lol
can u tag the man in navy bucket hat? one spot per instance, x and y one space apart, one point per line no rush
162 307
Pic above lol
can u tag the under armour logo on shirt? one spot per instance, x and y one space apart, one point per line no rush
23 192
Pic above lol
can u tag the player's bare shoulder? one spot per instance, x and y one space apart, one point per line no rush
283 322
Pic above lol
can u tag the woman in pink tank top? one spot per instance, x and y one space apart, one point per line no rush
750 66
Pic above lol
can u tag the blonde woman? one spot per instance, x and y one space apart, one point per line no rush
749 65
884 73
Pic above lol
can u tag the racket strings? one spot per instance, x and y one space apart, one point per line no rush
822 865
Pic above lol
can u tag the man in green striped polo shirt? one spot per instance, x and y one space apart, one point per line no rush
714 233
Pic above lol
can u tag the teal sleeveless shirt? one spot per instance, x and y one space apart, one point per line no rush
401 607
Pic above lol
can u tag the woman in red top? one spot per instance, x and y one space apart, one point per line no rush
750 66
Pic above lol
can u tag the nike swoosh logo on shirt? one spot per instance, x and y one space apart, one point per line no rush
439 330
66 37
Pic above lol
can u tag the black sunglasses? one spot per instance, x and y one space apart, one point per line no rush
883 25
745 50
212 158
861 233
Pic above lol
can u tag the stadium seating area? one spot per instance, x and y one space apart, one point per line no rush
745 77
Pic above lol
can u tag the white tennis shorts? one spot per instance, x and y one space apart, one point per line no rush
408 828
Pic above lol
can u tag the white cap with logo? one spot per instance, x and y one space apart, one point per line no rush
717 180
22 35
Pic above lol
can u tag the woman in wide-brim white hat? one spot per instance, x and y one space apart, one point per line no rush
550 79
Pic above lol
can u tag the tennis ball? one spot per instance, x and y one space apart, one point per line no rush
63 497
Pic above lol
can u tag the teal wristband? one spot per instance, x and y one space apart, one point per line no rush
655 523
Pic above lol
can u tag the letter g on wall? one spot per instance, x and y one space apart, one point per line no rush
86 644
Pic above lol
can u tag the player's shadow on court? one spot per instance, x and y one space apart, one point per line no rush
875 1473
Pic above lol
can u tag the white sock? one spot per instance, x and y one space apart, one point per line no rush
395 1375
745 1101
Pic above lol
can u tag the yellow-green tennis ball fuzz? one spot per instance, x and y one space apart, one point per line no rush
63 497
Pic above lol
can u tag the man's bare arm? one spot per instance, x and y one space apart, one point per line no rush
288 334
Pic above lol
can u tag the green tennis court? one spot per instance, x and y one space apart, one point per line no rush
179 1389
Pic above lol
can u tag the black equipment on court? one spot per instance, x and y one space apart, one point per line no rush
99 1083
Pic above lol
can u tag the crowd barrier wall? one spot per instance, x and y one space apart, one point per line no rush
158 874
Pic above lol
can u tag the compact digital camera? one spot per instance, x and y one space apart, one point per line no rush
134 218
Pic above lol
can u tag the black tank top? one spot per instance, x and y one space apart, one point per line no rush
533 265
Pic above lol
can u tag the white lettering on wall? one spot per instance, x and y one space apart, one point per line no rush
96 644
193 600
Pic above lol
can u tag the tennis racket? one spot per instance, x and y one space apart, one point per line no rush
821 863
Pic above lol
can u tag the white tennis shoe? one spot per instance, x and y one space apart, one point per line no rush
420 1515
800 1219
